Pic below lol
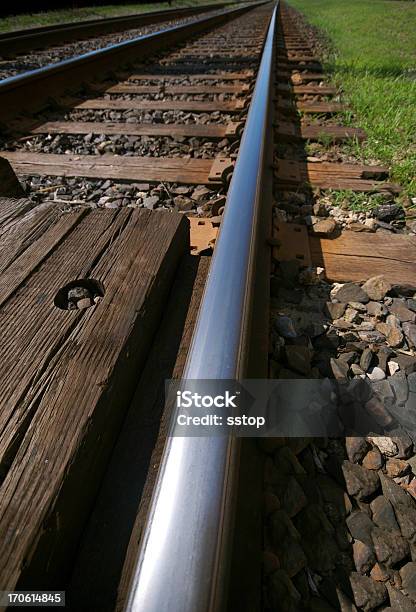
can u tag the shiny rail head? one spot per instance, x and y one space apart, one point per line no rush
182 566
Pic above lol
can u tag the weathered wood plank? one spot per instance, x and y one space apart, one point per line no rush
212 130
356 257
327 175
173 89
152 169
28 243
324 108
337 133
12 208
83 378
221 76
301 77
316 90
27 363
295 58
185 105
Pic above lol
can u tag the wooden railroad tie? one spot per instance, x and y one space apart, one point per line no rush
326 175
289 105
213 130
68 376
130 88
220 76
148 169
350 256
335 133
231 106
301 90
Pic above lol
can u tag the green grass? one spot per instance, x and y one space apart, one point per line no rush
373 58
8 24
356 201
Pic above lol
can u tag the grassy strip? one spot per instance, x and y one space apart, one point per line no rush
374 60
18 22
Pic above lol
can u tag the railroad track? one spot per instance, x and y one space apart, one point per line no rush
230 123
62 41
159 128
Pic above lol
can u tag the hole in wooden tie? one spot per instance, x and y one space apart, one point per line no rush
79 294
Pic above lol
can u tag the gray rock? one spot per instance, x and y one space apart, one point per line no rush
375 407
411 381
350 292
356 370
376 373
282 593
408 576
406 518
385 445
318 538
292 496
394 337
383 355
398 601
396 468
285 327
384 391
359 481
368 594
151 202
356 448
324 226
400 386
383 514
348 357
299 358
335 309
339 368
375 309
78 293
400 310
183 203
390 547
376 287
410 333
201 193
366 359
394 493
373 460
360 526
371 336
388 212
407 363
364 557
345 603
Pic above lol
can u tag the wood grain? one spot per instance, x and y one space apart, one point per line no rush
185 105
356 257
67 377
152 169
212 130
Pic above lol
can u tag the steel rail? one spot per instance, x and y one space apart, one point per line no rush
32 90
183 562
34 38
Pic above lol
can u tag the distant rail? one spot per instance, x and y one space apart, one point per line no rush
21 41
32 90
